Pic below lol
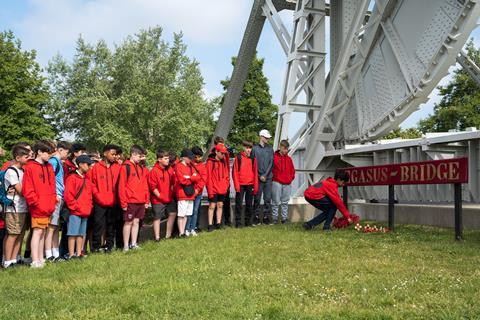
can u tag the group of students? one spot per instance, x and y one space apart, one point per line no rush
67 197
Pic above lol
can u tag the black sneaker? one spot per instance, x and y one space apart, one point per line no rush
306 226
210 228
218 226
284 221
50 259
256 221
108 250
58 259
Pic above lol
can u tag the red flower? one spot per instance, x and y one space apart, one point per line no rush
342 222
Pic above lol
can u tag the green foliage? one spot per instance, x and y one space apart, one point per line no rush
23 94
144 91
410 133
460 105
255 110
267 272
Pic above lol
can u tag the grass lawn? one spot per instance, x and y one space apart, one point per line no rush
268 272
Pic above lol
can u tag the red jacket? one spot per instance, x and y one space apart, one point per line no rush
162 179
39 189
134 188
218 176
327 188
283 169
200 168
82 206
68 167
186 175
104 180
247 174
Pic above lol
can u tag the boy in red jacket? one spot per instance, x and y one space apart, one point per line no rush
134 195
245 181
324 196
186 192
283 175
218 181
78 199
200 168
161 181
104 177
39 190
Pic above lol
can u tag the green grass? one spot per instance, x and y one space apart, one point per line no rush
270 272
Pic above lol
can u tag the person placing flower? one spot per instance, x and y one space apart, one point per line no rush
324 196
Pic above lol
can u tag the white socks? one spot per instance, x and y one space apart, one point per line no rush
48 253
55 252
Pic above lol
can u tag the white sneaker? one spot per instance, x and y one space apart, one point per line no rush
135 247
125 249
194 233
187 233
37 265
7 264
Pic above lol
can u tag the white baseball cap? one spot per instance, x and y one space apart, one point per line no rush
265 133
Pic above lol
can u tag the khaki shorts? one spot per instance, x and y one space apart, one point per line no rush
15 222
40 223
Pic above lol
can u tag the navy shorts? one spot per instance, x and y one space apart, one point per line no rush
217 198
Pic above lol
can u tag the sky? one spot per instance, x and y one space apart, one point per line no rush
212 30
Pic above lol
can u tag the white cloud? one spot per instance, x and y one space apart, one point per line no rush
52 26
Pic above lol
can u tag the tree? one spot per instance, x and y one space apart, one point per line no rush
410 133
23 94
255 110
144 91
460 104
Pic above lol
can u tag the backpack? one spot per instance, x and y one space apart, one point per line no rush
4 200
239 161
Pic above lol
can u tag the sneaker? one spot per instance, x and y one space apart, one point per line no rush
58 259
306 226
284 221
135 247
126 249
9 265
273 222
193 233
36 264
211 228
51 259
187 233
108 250
158 240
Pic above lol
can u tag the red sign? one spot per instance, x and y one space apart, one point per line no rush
428 172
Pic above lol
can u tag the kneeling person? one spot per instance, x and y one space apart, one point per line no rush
324 196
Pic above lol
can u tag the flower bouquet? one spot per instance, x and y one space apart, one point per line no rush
342 222
370 229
